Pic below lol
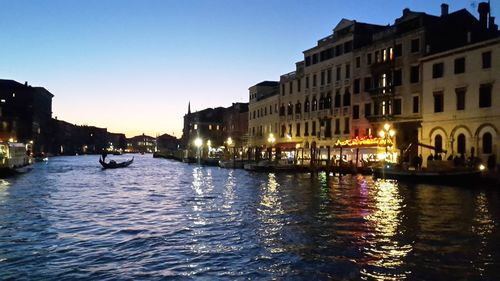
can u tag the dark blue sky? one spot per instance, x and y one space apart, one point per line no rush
104 58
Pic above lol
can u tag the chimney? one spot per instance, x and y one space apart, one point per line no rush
483 9
444 9
26 83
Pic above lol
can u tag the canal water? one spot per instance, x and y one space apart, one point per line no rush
158 219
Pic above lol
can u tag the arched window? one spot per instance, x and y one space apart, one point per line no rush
337 99
487 143
306 106
314 104
438 143
461 144
290 109
298 107
347 98
283 130
328 102
321 102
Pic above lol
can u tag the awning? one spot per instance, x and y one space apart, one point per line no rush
287 145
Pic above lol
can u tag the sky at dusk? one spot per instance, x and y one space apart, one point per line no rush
132 66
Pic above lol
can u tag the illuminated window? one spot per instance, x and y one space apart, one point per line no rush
196 126
210 127
218 127
391 53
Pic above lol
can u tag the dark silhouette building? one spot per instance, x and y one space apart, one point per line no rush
25 114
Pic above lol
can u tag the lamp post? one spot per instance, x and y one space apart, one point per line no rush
386 133
229 142
198 142
271 140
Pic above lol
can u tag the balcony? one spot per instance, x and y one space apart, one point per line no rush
346 110
322 113
380 118
388 90
336 111
298 116
382 66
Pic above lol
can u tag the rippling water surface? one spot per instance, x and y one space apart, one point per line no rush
159 219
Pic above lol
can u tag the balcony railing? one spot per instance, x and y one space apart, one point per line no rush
388 90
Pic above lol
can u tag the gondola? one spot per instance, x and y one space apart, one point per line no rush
113 165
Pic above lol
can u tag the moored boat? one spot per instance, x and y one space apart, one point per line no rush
14 158
452 176
234 163
282 165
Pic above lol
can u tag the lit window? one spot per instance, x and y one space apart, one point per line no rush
210 127
217 127
196 126
13 95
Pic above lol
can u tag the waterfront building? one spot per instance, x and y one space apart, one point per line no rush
461 103
263 117
141 144
362 84
390 70
316 99
167 144
207 131
235 128
25 114
116 142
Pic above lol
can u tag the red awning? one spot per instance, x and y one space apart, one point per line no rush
286 145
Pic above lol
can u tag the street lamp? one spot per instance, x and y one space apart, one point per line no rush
229 142
386 133
271 140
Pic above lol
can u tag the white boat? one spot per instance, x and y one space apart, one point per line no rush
14 158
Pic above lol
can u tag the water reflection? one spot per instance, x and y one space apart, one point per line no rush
4 190
269 213
386 253
163 219
483 226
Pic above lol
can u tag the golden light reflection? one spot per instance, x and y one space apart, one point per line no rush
383 249
270 215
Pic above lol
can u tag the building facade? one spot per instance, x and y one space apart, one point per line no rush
461 101
25 114
365 79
